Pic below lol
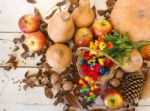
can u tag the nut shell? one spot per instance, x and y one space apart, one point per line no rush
68 85
119 73
54 78
114 82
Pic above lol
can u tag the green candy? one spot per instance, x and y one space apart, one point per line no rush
81 90
93 96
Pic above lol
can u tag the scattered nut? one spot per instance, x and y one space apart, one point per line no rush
54 78
114 82
57 86
119 73
68 85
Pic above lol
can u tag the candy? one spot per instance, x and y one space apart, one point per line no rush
102 45
87 78
82 62
109 45
85 97
81 81
101 61
102 70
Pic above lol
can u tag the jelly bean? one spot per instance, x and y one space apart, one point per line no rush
88 89
85 97
102 70
81 90
86 78
81 81
102 45
101 61
82 62
92 88
92 52
93 96
91 93
91 100
107 72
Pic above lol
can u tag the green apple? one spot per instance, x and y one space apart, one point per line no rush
113 99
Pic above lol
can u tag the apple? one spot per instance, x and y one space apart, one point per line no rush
83 37
35 41
145 52
113 99
29 23
101 27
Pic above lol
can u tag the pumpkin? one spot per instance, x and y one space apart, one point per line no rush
59 56
83 16
61 27
135 62
145 51
132 17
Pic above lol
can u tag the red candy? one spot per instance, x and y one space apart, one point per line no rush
108 63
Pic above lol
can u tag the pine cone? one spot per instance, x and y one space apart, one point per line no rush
132 86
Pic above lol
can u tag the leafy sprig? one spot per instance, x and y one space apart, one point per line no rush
121 45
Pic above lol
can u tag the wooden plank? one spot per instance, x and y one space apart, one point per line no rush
6 47
11 11
10 15
32 98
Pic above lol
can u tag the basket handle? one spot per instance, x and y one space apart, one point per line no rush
87 48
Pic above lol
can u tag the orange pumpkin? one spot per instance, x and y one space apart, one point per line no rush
132 17
59 56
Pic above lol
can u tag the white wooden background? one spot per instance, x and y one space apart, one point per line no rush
11 99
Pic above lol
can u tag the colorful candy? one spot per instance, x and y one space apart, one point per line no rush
87 93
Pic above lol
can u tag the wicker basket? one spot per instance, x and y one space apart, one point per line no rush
101 79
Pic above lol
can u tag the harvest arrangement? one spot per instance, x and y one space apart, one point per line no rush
85 57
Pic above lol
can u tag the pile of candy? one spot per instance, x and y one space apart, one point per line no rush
95 65
87 89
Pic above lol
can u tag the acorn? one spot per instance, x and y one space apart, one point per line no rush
119 73
114 82
68 85
54 78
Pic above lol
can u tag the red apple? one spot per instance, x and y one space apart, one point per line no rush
145 52
83 37
101 27
35 41
113 99
29 23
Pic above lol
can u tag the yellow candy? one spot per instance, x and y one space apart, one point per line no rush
92 52
96 87
92 88
101 61
96 43
92 45
86 78
91 93
91 81
102 45
80 81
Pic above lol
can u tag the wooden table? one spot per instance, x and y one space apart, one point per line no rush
11 98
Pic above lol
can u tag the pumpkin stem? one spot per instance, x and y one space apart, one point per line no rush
59 52
141 43
66 17
84 5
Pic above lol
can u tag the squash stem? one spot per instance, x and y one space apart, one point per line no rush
141 43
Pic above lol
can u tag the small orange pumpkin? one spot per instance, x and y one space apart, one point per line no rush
59 56
132 17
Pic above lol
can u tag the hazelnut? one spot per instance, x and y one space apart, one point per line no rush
119 73
114 82
57 86
54 78
68 85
